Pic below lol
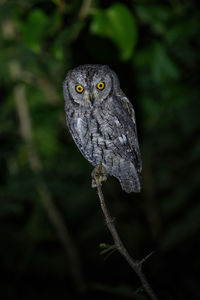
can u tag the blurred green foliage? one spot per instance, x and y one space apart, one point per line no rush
118 24
154 48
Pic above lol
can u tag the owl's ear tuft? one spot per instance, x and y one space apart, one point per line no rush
113 75
116 84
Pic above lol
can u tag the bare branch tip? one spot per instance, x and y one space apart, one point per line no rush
146 257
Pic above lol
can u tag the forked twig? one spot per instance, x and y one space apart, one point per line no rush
135 264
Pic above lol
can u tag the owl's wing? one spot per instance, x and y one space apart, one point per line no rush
125 131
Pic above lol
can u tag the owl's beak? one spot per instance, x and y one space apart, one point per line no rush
88 97
95 95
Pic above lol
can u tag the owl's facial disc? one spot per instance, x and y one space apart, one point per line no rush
91 84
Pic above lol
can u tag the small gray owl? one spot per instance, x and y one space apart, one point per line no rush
101 121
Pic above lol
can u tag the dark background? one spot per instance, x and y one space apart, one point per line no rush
51 224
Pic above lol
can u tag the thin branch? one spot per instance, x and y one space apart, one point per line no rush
135 264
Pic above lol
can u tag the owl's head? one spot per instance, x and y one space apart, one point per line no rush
90 84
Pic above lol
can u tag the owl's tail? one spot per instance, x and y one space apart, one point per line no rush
130 185
128 177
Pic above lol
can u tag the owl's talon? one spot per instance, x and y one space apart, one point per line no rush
98 175
94 185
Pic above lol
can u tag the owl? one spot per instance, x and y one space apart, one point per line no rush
102 123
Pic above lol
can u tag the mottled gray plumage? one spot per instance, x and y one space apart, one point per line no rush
102 123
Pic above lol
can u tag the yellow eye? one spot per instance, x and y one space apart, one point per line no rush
101 85
79 88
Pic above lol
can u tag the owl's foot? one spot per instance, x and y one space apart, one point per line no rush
98 175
